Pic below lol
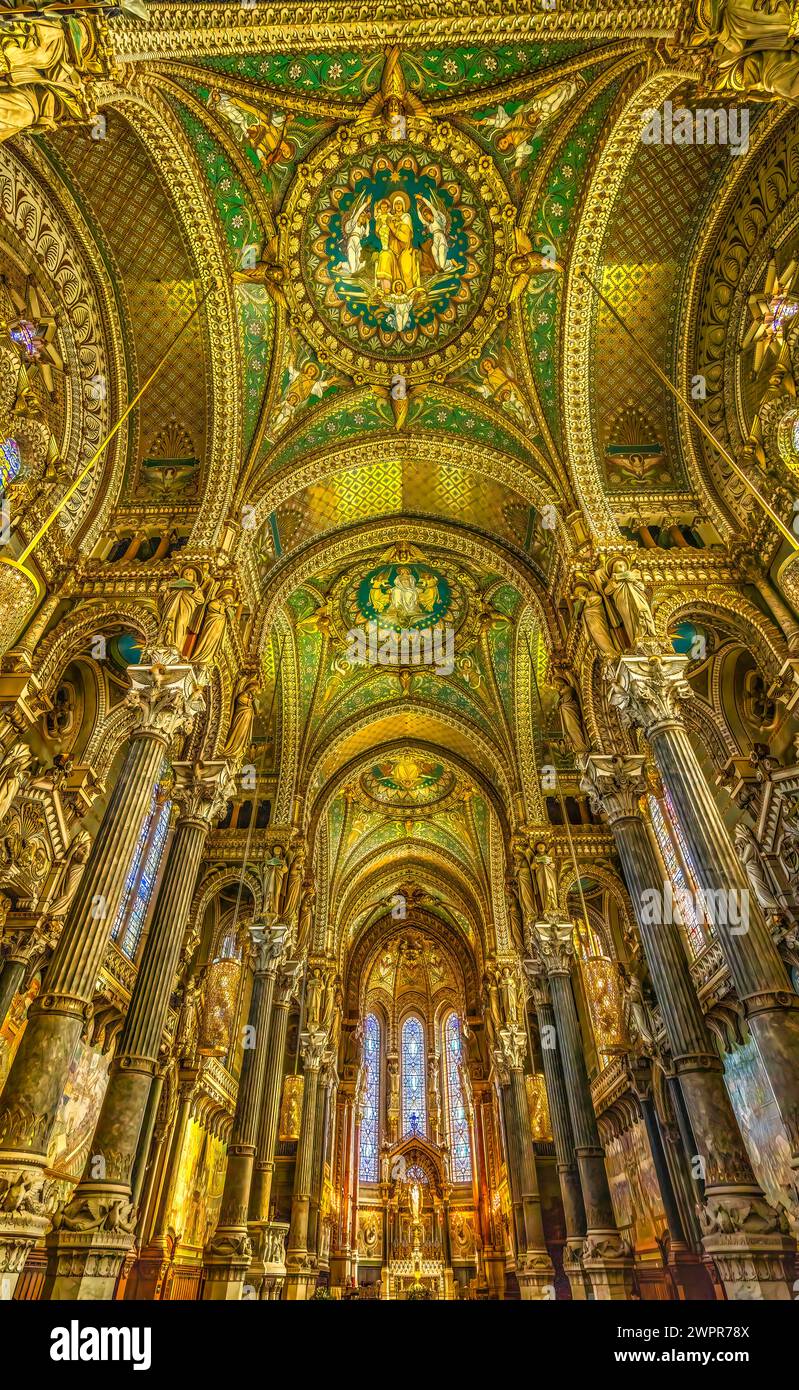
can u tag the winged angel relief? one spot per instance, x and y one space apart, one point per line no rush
397 249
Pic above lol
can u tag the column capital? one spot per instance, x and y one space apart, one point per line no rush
554 943
512 1047
202 790
313 1046
538 982
286 982
168 697
646 688
614 784
269 941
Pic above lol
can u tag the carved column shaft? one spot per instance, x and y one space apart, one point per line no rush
36 1081
700 1072
297 1251
557 1096
261 1189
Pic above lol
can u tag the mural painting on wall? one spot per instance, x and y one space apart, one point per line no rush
78 1111
198 1191
766 1141
634 1187
12 1027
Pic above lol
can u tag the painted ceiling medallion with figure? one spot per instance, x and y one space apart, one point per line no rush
400 250
404 596
408 779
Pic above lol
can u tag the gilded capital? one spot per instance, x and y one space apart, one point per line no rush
614 784
203 790
512 1045
647 689
168 697
555 944
313 1046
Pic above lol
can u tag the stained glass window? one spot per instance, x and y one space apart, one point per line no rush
370 1114
460 1146
141 877
144 888
414 1106
10 461
683 891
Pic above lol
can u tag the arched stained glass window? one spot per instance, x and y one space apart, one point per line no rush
414 1105
684 893
460 1146
370 1114
141 877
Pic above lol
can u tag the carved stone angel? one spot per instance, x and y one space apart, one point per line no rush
751 859
546 881
13 774
75 863
625 587
754 43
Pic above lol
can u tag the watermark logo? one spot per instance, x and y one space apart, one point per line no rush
679 125
718 907
373 645
76 1343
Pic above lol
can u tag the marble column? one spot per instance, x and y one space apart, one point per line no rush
153 1262
263 1171
607 1257
568 1172
534 1269
508 1128
647 690
227 1254
167 699
318 1162
732 1199
753 574
84 1262
27 951
300 1274
340 1259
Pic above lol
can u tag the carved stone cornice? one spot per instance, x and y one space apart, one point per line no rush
202 790
614 784
168 697
208 29
646 688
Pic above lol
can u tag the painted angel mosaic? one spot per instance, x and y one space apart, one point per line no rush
398 251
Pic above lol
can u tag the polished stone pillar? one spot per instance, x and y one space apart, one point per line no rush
318 1163
557 1096
341 1254
732 1197
607 1257
300 1274
261 1185
152 1265
79 1267
27 952
534 1268
167 699
227 1254
647 691
502 1077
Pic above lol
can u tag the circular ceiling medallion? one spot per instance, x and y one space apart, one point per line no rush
396 252
403 596
407 779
